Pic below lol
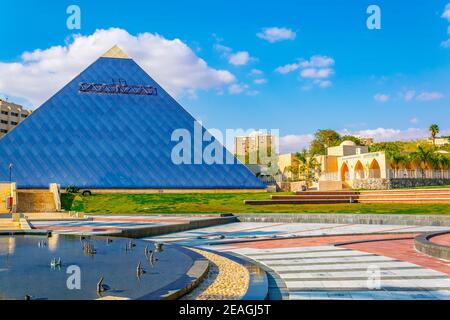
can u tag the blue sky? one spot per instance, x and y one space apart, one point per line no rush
389 83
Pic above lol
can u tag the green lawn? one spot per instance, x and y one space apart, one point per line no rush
225 203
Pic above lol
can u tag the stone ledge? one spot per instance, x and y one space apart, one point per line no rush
423 244
197 272
380 219
152 231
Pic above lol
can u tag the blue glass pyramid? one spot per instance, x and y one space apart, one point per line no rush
93 136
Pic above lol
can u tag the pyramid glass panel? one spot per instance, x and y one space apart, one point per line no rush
111 128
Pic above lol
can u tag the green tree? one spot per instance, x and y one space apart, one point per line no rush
356 140
441 162
424 155
388 147
309 169
293 170
434 131
396 159
324 139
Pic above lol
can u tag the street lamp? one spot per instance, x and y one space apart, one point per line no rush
10 172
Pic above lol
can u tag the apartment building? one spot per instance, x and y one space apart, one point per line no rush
11 115
256 148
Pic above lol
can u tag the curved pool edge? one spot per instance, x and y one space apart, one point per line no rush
258 287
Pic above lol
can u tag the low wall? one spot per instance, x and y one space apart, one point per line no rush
297 186
383 184
330 185
423 244
153 231
171 191
379 219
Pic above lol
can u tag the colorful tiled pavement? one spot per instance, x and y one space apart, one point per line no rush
310 258
100 224
313 267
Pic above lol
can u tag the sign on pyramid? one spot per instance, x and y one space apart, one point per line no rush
111 128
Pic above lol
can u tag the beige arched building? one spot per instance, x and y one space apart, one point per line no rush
348 162
351 166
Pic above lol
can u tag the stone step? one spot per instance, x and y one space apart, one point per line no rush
296 201
315 197
406 200
326 193
403 195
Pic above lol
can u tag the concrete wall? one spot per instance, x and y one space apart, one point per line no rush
329 185
380 184
297 186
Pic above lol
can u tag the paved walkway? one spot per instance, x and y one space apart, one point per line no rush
313 267
329 272
442 240
110 223
260 230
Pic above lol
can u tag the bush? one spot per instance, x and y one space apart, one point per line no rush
72 189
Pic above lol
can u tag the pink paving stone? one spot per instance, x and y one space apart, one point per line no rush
77 228
443 240
317 241
401 250
143 220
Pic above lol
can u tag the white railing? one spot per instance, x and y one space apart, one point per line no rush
419 174
359 175
329 176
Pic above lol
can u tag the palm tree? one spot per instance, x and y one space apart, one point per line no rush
309 168
434 131
442 162
293 170
423 156
396 160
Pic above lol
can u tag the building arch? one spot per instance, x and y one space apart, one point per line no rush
345 172
374 169
359 171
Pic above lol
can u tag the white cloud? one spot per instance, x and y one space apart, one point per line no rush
252 93
223 49
318 69
240 58
256 72
414 120
446 14
287 68
446 43
295 143
316 73
409 95
317 61
237 88
381 97
429 96
275 34
260 81
323 83
171 62
389 134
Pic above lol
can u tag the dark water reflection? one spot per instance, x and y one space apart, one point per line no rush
25 267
